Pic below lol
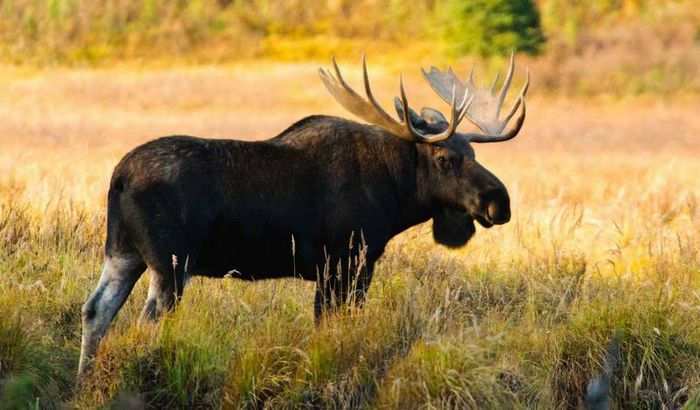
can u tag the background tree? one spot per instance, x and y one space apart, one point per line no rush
491 27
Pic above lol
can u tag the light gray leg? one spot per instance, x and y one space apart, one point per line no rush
150 309
160 298
118 277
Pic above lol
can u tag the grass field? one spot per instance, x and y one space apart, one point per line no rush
604 240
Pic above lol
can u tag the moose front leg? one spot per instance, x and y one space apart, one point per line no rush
334 290
321 304
327 296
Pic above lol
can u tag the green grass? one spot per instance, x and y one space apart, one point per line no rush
437 332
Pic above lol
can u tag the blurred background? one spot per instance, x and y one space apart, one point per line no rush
601 46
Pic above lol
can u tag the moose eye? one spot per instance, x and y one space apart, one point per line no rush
445 163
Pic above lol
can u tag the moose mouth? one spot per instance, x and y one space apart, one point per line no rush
473 213
494 213
465 213
483 220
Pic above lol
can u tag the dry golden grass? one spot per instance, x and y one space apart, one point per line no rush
605 236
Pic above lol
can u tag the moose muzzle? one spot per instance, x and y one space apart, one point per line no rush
494 207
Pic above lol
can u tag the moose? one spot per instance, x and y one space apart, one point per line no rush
319 201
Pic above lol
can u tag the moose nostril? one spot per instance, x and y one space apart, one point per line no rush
492 210
496 214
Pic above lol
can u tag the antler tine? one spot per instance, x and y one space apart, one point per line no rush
506 84
368 91
495 81
407 118
466 105
365 79
340 76
453 116
332 82
457 113
523 91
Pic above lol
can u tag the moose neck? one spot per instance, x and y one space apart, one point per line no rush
406 163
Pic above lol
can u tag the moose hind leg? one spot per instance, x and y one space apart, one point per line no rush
164 290
150 310
119 274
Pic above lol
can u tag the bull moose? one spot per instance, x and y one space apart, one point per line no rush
315 202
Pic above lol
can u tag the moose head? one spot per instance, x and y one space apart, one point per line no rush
459 189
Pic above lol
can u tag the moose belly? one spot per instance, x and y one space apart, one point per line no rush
255 251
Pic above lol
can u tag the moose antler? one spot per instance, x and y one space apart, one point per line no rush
486 105
370 111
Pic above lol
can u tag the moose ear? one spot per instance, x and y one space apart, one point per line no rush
433 116
416 120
